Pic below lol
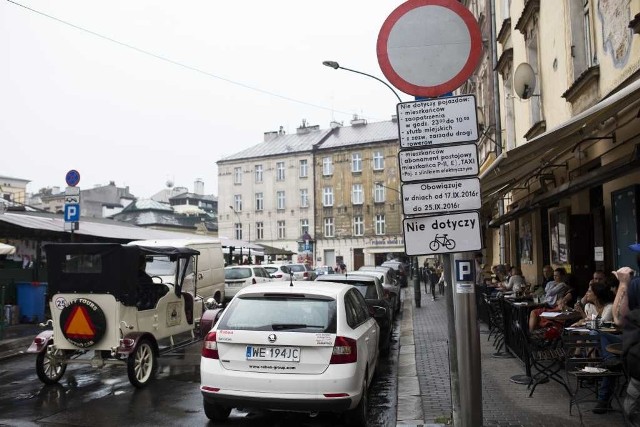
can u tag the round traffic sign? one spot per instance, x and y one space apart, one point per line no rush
429 47
72 178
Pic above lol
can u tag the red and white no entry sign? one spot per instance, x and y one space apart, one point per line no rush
429 47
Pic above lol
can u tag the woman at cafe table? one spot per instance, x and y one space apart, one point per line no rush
599 304
557 295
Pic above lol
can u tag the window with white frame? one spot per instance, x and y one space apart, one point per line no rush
378 161
280 171
304 168
358 226
357 194
304 226
304 198
258 171
356 162
280 200
259 201
259 230
238 231
327 196
327 166
282 230
380 225
237 175
329 228
378 193
237 202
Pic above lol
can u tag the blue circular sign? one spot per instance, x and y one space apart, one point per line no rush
72 178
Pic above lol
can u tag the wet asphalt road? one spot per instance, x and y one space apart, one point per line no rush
104 397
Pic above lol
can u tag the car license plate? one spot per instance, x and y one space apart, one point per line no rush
283 354
234 285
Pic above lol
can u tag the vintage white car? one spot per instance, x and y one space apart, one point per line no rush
100 302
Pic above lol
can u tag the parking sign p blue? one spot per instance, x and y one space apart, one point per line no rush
464 270
72 212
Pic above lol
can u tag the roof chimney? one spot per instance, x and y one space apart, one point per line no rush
198 187
335 124
357 122
270 136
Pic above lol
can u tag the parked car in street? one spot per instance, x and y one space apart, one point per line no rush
391 288
302 271
237 277
299 346
277 271
324 269
373 293
401 269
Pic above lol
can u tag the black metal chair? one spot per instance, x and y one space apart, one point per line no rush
585 370
496 322
547 359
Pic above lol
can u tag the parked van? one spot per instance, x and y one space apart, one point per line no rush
209 265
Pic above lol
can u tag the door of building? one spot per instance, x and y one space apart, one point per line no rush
358 258
581 251
625 204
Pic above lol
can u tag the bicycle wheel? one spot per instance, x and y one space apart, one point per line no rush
450 244
434 246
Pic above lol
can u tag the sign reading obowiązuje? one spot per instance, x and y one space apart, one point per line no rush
441 234
441 196
437 121
452 161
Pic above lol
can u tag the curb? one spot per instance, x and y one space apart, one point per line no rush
14 347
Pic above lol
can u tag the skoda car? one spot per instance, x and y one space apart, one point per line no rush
291 346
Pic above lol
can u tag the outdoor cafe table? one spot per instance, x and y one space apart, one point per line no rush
517 311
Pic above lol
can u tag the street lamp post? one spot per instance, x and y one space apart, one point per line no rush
416 276
335 66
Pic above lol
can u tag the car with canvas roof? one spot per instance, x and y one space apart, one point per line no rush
291 346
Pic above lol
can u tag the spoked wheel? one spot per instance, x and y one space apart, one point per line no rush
142 364
215 412
50 367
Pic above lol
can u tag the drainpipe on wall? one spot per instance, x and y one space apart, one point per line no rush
497 118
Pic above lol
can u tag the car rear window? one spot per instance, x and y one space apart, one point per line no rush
368 291
297 268
281 313
237 273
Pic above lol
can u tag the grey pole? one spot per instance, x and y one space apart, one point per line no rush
416 282
453 351
468 347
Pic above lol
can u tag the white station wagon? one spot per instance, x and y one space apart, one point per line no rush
300 346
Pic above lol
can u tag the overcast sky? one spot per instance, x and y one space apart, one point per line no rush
81 94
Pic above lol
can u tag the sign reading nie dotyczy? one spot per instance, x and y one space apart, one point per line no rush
442 234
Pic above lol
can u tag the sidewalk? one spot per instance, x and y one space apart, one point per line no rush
17 339
424 360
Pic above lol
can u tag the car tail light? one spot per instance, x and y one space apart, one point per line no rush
306 275
210 346
345 350
253 281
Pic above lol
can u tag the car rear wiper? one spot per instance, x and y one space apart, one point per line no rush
281 326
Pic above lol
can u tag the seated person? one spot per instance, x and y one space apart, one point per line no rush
599 304
516 281
547 276
556 295
146 295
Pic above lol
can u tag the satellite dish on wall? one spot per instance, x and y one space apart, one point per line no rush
524 81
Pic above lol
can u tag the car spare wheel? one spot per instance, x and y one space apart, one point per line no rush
50 367
142 364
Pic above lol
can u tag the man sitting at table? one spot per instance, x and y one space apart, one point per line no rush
556 296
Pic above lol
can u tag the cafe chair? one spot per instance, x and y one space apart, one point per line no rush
496 323
585 369
547 361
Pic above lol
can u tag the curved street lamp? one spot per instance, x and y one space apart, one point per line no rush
335 66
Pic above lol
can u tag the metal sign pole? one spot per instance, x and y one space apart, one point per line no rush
453 350
468 341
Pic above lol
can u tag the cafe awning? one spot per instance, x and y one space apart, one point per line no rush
513 167
270 250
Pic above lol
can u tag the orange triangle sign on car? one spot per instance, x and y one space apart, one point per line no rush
79 324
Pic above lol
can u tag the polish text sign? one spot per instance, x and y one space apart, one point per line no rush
441 234
441 196
437 121
438 162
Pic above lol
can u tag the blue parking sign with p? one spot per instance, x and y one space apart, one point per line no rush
464 270
72 212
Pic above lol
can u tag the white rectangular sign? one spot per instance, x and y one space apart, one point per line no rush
72 191
439 162
441 234
437 121
441 196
